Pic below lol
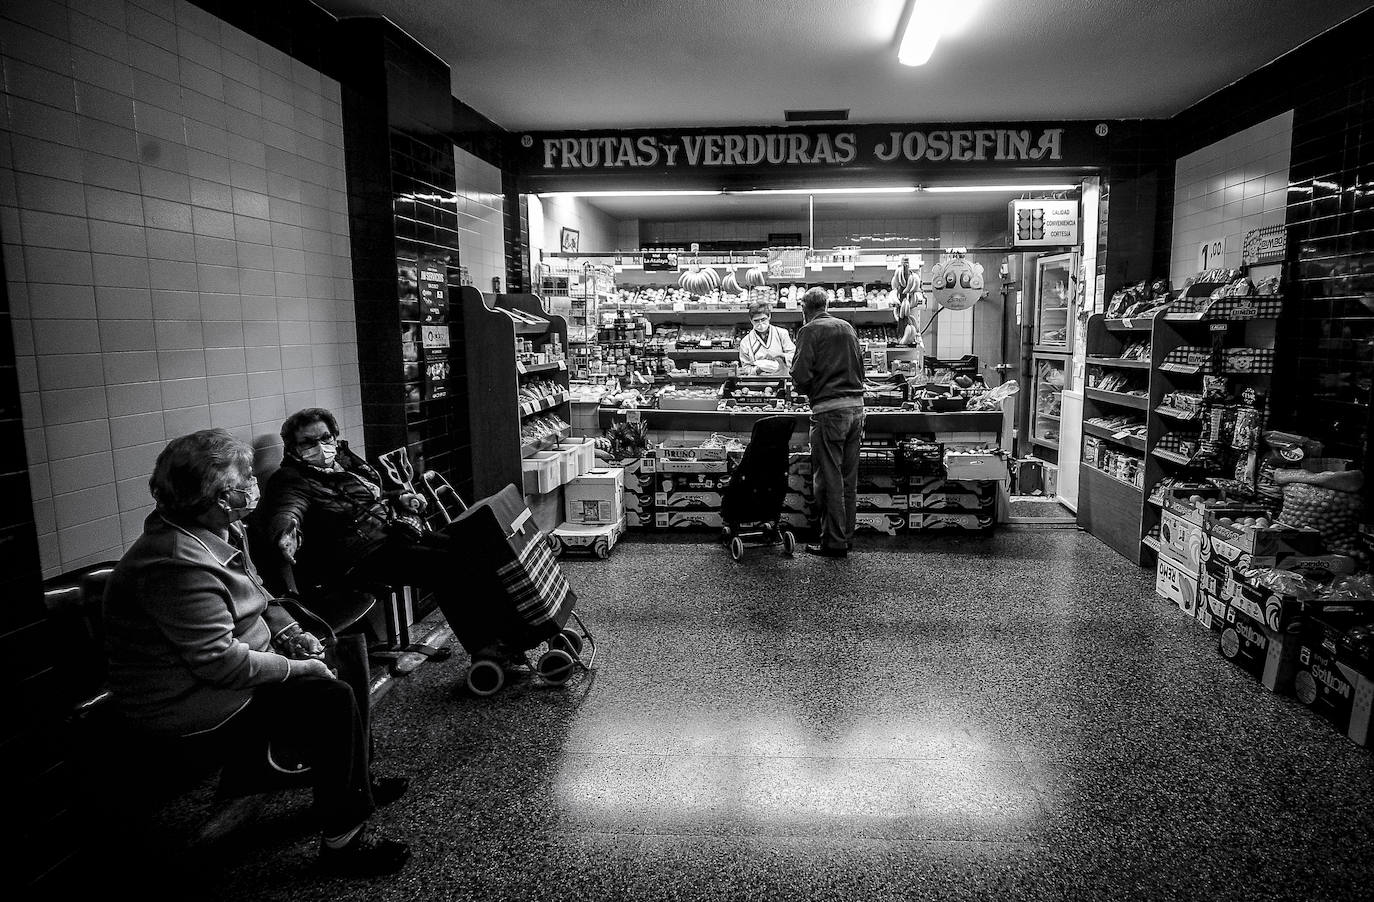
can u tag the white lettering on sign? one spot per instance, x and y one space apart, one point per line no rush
434 336
802 149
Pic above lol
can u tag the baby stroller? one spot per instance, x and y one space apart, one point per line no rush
752 506
516 596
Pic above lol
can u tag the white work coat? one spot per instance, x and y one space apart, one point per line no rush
777 346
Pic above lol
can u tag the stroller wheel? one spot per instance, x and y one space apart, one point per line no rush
789 542
485 677
736 548
555 666
568 641
725 533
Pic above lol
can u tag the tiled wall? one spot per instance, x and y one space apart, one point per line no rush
176 245
1228 188
598 233
481 212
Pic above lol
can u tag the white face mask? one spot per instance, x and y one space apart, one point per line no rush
320 455
251 496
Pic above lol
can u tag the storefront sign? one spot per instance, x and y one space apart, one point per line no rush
901 148
1043 223
1266 245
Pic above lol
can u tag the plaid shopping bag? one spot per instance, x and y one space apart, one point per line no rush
534 583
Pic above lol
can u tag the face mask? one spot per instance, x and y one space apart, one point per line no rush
762 330
251 495
320 455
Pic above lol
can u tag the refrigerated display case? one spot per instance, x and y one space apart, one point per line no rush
1056 297
1052 375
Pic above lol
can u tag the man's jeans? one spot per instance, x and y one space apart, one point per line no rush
835 436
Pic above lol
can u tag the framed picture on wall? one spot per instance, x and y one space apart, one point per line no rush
568 240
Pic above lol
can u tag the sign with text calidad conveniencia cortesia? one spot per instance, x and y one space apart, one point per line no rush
1043 223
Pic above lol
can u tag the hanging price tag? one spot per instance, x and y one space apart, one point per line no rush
633 416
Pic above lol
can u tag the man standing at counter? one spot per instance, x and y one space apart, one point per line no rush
829 370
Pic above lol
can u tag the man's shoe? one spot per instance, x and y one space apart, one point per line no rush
386 790
822 551
365 856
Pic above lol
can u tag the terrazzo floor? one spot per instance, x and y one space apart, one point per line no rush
1012 717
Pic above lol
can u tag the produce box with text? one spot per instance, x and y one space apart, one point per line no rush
1333 673
1268 656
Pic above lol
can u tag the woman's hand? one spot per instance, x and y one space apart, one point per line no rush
310 667
289 541
297 644
412 502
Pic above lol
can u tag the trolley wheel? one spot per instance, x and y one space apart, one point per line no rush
736 548
485 677
725 533
601 549
569 641
789 542
555 666
555 545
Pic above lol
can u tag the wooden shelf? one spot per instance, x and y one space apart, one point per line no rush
535 447
861 315
1118 362
1120 399
1121 482
528 368
1057 350
1171 456
1133 324
704 353
1046 416
1134 442
1182 416
1044 442
530 408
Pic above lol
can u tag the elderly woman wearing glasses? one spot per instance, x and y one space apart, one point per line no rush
202 655
767 350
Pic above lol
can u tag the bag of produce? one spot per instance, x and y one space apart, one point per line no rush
1329 502
1284 450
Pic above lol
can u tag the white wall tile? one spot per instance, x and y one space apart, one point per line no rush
128 302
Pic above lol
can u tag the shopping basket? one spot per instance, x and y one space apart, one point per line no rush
517 596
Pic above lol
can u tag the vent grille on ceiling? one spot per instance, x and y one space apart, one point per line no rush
815 115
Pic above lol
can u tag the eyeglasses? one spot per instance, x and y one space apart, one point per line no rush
759 320
312 442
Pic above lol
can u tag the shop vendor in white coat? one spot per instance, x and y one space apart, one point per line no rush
767 350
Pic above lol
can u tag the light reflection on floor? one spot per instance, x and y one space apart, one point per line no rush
776 769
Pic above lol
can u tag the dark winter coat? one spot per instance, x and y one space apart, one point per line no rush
341 517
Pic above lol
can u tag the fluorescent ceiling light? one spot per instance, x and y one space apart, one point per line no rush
956 189
628 193
906 189
928 22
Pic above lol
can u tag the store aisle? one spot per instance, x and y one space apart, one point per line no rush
1008 718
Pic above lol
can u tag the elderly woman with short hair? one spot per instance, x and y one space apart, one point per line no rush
199 652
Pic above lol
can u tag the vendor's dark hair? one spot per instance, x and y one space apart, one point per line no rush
760 307
308 417
194 470
815 300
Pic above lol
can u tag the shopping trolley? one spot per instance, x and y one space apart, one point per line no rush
752 504
517 598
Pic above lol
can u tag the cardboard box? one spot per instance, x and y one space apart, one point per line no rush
953 519
1180 537
1050 480
688 520
639 519
1249 546
957 494
597 497
691 482
1333 681
798 520
890 483
1176 584
887 524
638 472
694 501
1268 656
1279 611
1028 475
878 501
1211 610
638 502
976 465
666 465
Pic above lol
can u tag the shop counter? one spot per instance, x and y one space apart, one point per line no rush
987 424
